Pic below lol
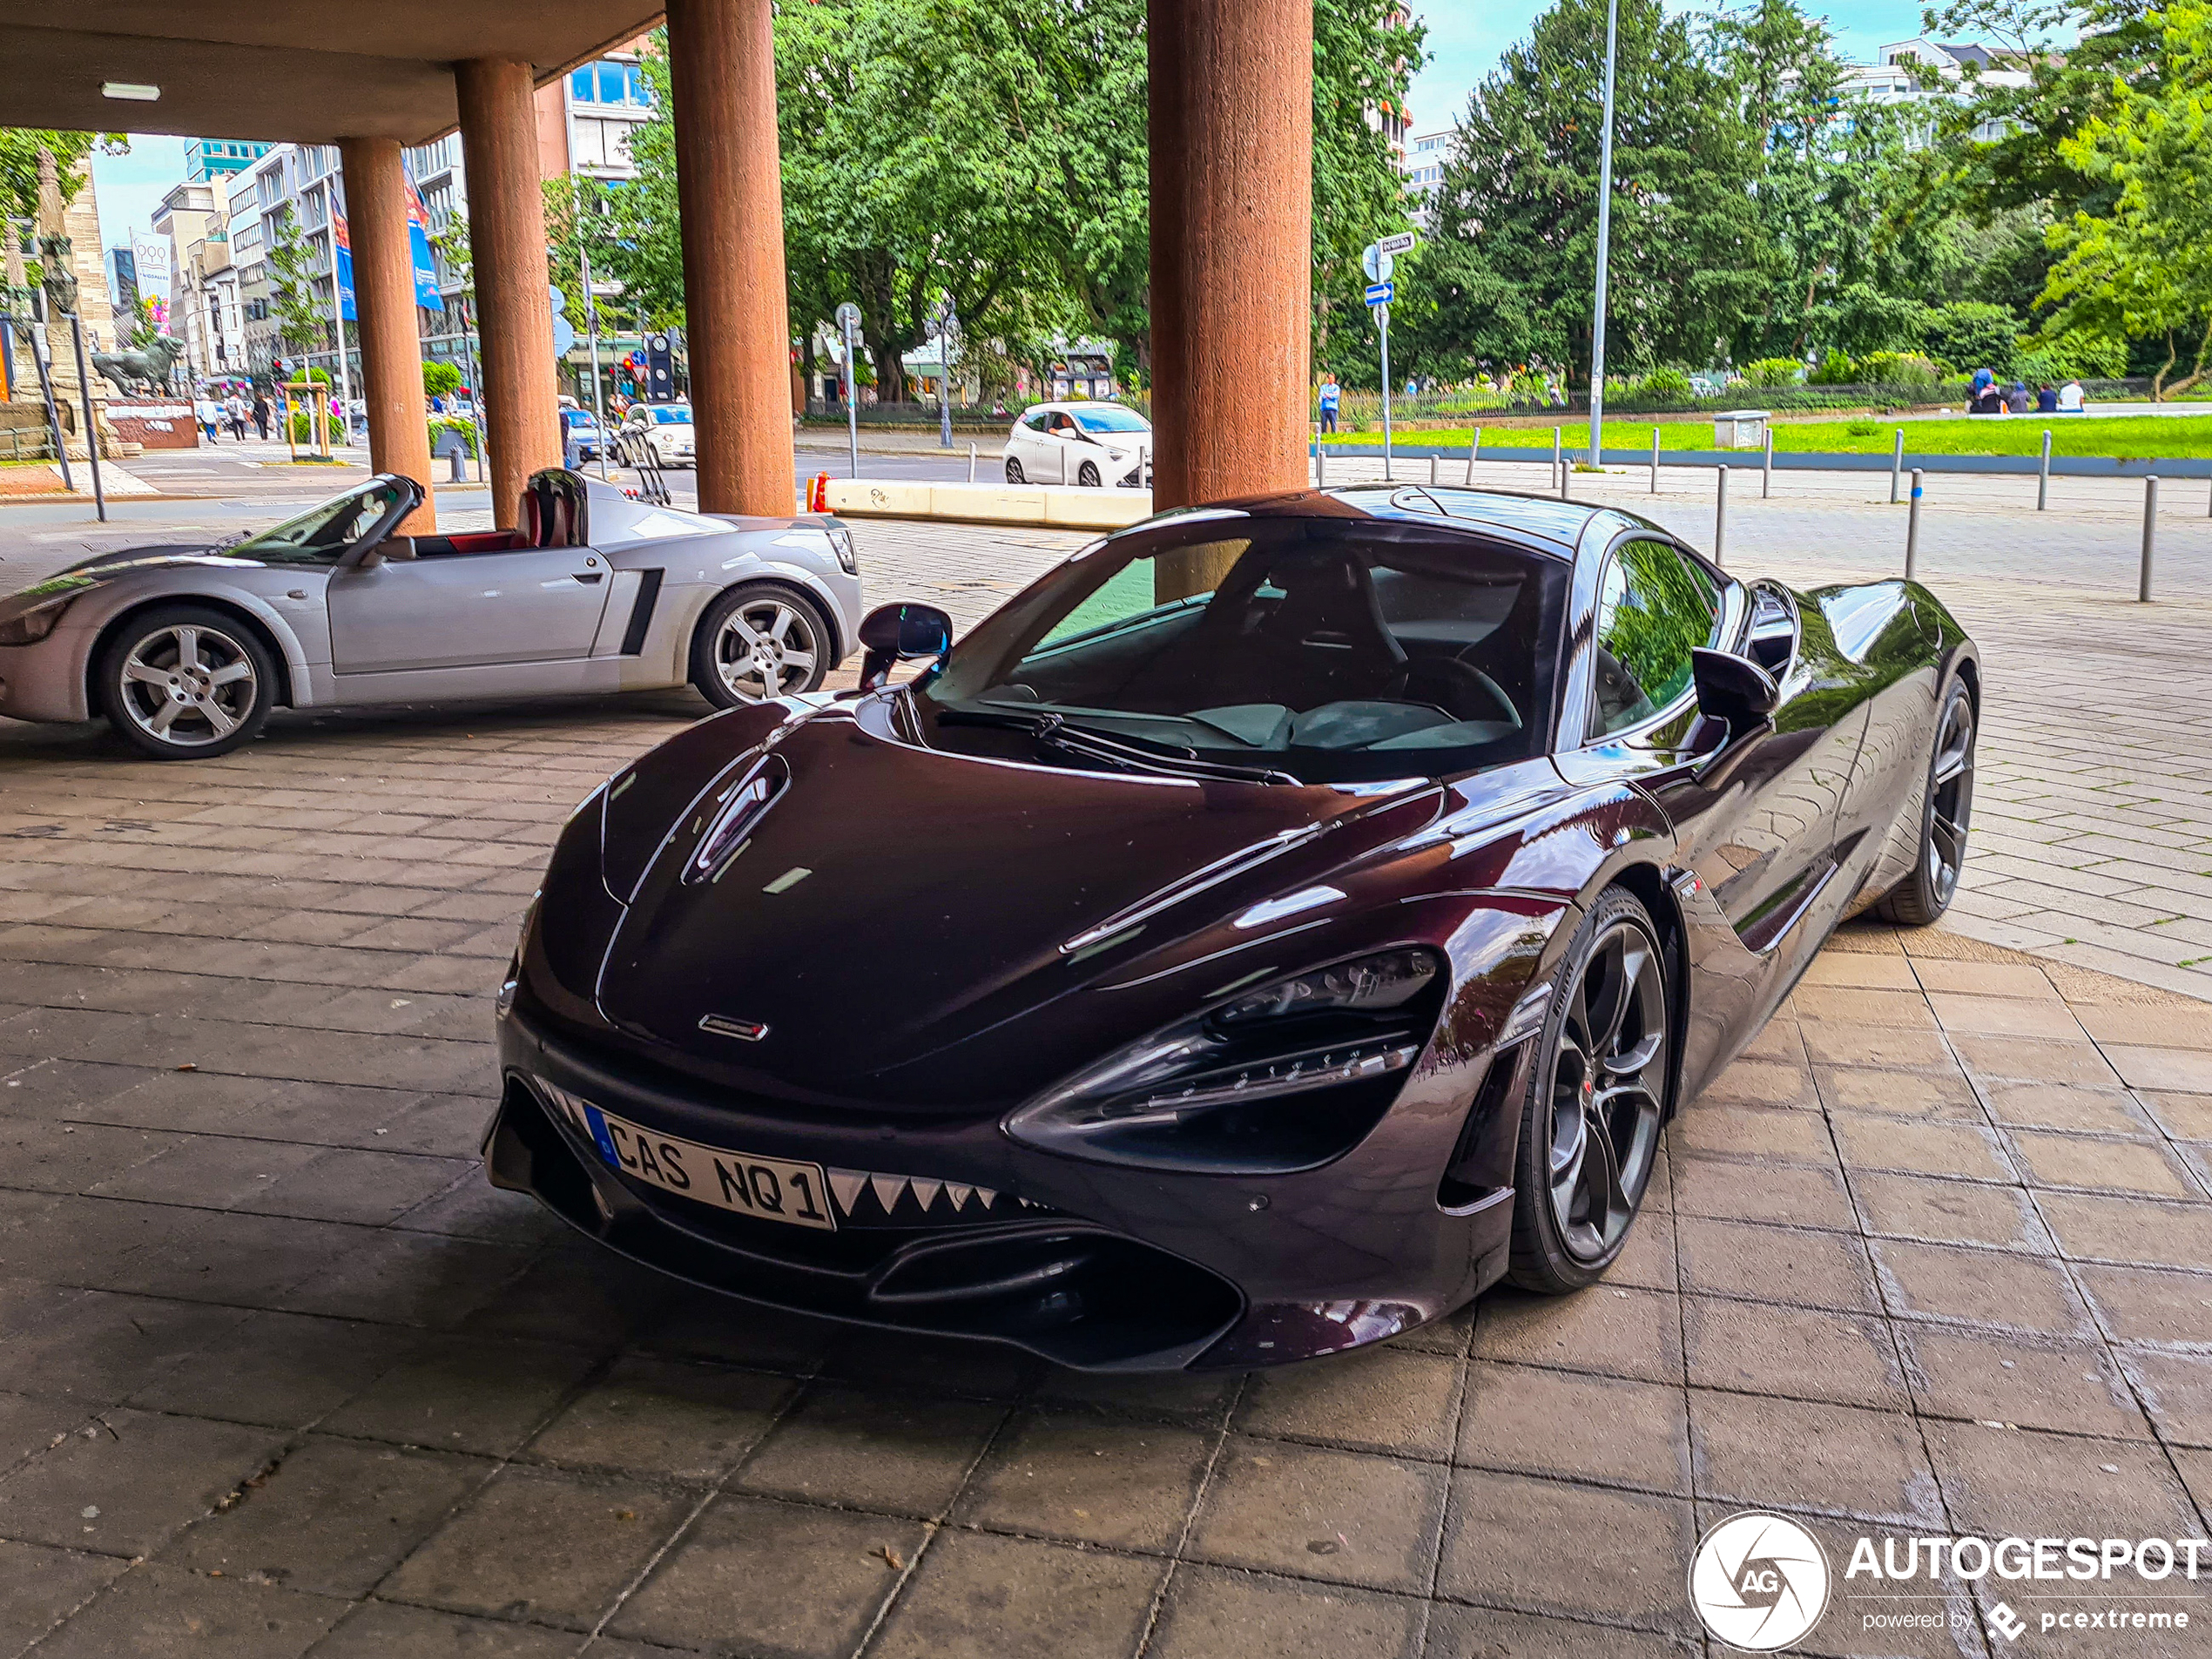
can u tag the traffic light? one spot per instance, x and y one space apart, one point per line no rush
660 369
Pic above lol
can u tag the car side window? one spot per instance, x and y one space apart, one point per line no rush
1652 612
1035 422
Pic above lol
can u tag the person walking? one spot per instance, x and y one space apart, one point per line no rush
261 412
206 410
234 413
1332 395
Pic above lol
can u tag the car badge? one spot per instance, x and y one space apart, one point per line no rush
723 1026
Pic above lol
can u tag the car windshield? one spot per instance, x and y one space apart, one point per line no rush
1111 420
320 534
673 417
1323 650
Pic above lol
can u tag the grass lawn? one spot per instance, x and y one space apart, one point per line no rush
2129 436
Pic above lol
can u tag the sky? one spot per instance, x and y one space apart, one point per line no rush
1465 40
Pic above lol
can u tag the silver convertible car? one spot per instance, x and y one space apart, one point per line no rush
186 649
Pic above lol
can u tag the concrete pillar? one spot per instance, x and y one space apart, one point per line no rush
513 304
399 434
722 65
1231 126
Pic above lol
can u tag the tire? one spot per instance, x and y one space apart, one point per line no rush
1013 473
185 682
1605 1054
1087 475
731 671
1946 813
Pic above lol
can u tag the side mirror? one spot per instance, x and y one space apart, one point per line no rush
898 634
1734 689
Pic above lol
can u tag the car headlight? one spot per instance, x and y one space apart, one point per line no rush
842 543
1283 1076
36 624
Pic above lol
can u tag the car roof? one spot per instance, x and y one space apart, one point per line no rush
1072 404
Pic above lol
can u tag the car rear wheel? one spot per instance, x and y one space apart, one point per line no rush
1590 1123
1087 475
186 682
760 642
1014 474
1945 812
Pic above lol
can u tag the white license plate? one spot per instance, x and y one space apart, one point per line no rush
766 1189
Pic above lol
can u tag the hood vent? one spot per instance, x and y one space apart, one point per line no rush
737 810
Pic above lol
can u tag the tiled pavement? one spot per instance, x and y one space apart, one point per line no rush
280 1375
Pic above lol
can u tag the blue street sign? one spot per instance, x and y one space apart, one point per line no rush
1381 293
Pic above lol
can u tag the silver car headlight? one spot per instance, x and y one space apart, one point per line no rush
34 624
842 544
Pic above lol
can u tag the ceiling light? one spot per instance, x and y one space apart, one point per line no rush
130 92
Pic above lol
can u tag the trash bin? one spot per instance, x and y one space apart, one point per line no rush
1740 429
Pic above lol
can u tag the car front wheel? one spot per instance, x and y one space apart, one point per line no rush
1087 475
185 683
1014 474
1590 1121
760 642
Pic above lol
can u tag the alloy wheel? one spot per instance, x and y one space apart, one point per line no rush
188 686
1953 785
1607 1092
765 648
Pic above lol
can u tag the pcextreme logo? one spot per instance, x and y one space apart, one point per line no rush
1758 1581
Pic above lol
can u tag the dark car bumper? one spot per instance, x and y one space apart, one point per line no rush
1089 1265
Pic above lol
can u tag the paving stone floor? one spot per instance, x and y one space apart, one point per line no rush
279 1375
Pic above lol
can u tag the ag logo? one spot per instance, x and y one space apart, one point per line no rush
1758 1582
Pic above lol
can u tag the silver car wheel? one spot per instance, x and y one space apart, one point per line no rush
188 686
766 648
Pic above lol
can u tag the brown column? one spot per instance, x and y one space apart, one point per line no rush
513 305
399 433
722 65
1232 128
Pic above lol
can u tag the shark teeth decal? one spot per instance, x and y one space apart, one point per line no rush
958 1194
887 1188
845 1186
926 1192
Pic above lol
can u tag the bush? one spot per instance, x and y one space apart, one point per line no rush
2052 362
1772 371
440 379
1834 368
1863 429
1970 334
1904 371
1664 382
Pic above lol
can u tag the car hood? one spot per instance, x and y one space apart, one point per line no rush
894 903
101 568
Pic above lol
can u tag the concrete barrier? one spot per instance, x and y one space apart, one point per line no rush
990 503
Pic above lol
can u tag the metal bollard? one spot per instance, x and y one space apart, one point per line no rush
1766 474
1432 471
2043 474
456 469
1320 464
1655 461
1720 519
1897 466
2150 537
971 463
1912 530
1555 452
1474 449
1566 470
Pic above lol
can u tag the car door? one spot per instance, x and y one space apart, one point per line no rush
1756 817
454 610
1026 445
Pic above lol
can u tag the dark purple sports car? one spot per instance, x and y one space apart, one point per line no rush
1275 925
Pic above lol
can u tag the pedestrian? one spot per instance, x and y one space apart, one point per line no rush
2070 398
206 411
261 414
1981 383
2046 400
1989 399
234 413
2016 401
1332 394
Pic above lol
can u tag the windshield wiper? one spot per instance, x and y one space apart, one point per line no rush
1054 731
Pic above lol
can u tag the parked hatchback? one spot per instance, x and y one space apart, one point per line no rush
1090 444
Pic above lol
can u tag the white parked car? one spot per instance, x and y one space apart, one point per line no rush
662 431
1092 444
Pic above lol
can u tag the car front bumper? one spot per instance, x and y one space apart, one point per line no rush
46 681
1090 1266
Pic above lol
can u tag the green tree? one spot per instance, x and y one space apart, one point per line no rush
19 148
2136 258
1514 259
439 378
302 323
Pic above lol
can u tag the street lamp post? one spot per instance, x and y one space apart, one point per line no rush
1604 239
591 333
946 323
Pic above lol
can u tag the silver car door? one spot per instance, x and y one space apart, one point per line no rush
466 610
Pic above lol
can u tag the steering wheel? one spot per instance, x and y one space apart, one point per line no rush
1460 677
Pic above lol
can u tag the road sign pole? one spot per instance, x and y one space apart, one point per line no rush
1604 243
848 323
1382 328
